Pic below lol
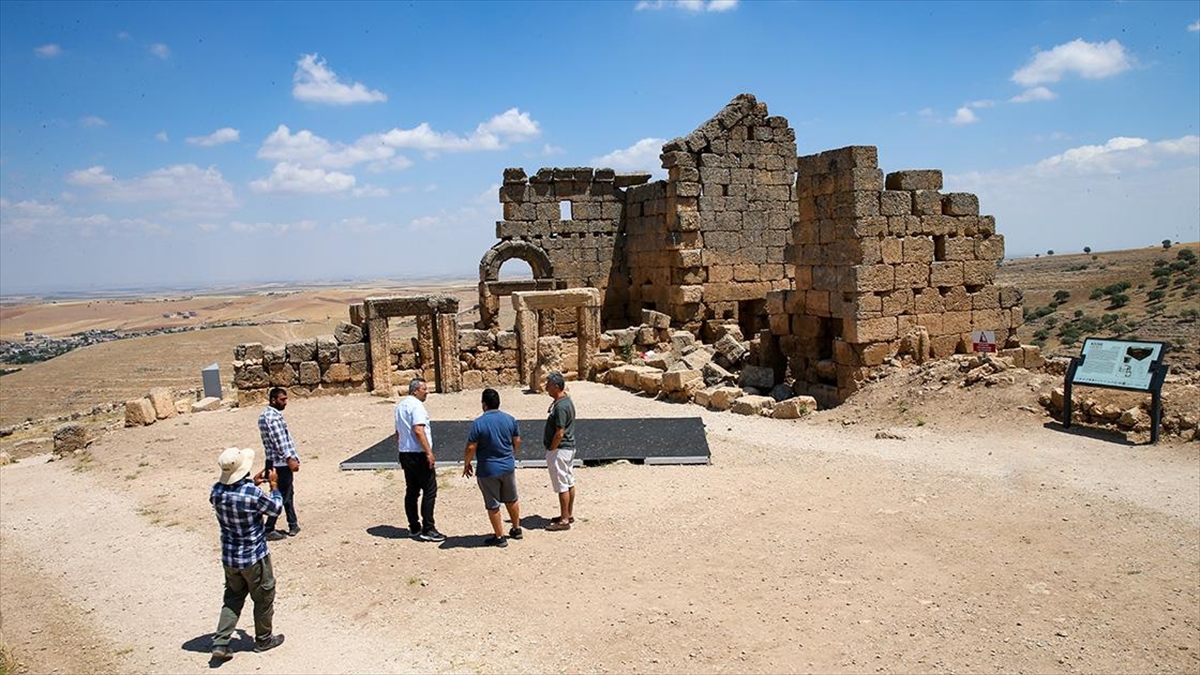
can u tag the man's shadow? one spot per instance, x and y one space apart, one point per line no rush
389 532
202 644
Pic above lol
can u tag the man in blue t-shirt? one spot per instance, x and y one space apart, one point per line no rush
493 441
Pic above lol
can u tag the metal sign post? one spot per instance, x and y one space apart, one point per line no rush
1119 364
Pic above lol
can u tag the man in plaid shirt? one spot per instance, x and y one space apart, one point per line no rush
281 455
240 505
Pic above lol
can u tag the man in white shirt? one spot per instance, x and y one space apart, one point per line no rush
414 440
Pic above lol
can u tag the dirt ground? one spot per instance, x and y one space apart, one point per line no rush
913 529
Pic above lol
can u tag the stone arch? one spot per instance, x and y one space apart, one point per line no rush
491 289
539 262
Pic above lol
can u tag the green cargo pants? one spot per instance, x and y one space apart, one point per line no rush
258 581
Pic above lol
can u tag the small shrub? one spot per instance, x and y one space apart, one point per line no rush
1061 296
1078 313
1096 294
1118 300
1186 254
1156 295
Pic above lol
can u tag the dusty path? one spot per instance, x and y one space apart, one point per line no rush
805 546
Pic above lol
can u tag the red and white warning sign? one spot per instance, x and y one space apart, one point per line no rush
983 341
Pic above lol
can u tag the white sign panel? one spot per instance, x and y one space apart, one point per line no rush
1118 363
983 341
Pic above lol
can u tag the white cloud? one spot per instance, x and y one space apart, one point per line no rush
1119 155
1105 186
92 122
48 51
964 116
550 149
290 178
277 228
162 137
219 137
160 50
688 5
314 82
123 35
30 217
186 187
360 225
397 163
370 191
1089 60
1194 27
1033 94
304 148
511 126
641 156
982 103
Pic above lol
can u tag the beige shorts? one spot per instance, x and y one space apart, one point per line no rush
562 476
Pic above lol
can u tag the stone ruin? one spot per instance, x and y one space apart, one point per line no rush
749 271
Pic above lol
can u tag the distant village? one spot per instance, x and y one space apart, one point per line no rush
37 347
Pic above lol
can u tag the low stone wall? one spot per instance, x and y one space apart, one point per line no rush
327 364
488 358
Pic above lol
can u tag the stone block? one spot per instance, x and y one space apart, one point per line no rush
957 249
960 204
697 359
281 375
979 272
871 278
722 398
183 406
70 437
251 398
918 250
912 275
883 329
347 334
327 350
337 373
474 339
650 383
990 248
358 371
762 379
206 404
309 373
348 353
944 274
955 323
250 351
302 350
274 354
794 408
164 402
891 251
914 179
927 203
677 380
714 374
139 412
731 348
506 339
250 377
928 300
895 203
753 405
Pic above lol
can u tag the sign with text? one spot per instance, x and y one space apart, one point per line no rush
983 341
1123 364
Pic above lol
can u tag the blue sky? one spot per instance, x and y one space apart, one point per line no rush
158 144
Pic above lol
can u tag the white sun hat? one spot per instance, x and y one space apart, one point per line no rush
235 464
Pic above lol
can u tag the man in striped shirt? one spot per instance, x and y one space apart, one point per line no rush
240 505
281 456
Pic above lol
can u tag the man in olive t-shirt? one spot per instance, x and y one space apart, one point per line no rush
559 439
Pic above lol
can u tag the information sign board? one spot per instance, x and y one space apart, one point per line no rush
1122 364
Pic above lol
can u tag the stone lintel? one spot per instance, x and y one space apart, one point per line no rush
409 305
510 287
568 297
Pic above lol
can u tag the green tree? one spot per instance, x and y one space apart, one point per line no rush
1087 249
1166 244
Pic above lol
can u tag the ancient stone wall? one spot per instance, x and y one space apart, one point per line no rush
727 220
327 364
884 267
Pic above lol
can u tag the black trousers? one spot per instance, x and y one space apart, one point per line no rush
420 481
287 488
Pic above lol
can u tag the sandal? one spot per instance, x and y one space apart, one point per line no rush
558 526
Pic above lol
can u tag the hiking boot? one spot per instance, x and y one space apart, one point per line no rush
221 653
293 530
269 643
498 542
432 535
276 535
516 533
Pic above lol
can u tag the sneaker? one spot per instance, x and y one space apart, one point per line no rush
221 653
276 535
293 530
499 542
516 533
414 532
269 643
432 535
